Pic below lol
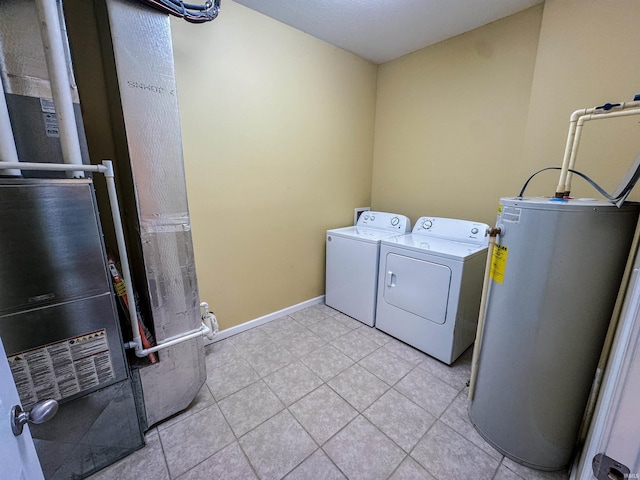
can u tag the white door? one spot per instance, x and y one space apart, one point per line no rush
18 454
417 286
612 449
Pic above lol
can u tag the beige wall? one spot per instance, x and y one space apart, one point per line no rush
464 122
277 124
588 56
451 119
278 139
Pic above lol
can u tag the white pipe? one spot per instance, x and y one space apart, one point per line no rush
567 149
67 50
578 135
60 84
8 152
573 138
183 337
122 251
486 285
54 167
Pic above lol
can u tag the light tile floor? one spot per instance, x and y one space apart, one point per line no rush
319 396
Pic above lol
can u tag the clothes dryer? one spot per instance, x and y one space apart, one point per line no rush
352 263
430 284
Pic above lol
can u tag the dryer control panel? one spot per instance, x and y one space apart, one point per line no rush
385 221
452 229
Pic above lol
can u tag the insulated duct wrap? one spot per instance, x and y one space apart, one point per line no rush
142 93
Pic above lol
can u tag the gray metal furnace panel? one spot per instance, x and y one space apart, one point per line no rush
45 326
36 133
51 244
60 327
89 433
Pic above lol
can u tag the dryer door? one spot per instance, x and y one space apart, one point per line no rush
417 286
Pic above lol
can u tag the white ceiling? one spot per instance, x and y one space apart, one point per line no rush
381 30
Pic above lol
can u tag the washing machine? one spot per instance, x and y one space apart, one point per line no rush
430 284
352 263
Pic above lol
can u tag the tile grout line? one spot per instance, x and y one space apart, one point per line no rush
358 413
253 468
310 436
164 455
437 419
286 407
275 338
406 454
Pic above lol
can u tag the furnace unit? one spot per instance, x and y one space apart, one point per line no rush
60 328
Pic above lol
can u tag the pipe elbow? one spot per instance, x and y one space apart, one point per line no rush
577 114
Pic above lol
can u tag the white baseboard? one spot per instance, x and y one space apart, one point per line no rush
229 332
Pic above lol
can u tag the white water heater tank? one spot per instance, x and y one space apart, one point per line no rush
555 274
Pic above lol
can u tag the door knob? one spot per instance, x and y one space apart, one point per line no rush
39 413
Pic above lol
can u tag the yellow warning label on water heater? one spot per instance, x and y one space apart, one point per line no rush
499 263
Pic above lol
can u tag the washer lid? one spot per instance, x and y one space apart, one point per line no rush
437 246
362 233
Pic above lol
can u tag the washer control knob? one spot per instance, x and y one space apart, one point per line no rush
395 221
427 224
474 231
372 218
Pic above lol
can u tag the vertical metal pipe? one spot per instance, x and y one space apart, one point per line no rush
8 152
60 84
